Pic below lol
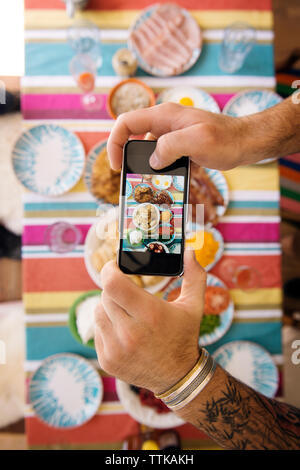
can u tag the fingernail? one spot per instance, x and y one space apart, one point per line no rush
154 160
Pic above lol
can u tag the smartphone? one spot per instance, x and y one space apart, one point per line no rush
153 205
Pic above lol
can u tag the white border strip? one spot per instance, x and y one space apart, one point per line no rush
122 34
253 195
47 318
222 81
258 314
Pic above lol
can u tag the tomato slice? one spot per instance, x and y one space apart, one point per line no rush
217 300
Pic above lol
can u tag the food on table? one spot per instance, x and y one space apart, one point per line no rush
162 197
166 216
107 251
209 323
143 193
162 181
217 299
124 63
189 96
129 95
203 191
166 231
135 237
105 181
148 398
145 217
86 81
167 39
206 252
247 278
156 247
85 318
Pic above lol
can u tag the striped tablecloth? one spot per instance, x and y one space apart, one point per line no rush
250 226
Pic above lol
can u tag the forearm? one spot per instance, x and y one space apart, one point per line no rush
272 133
237 417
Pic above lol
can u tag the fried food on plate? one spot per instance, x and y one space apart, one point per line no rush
105 181
203 191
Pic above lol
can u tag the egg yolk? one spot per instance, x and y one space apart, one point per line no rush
157 181
186 101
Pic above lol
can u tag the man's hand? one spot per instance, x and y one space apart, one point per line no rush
144 340
209 139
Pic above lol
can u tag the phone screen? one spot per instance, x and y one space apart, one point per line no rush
152 213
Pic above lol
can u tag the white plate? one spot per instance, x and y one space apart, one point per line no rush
144 414
250 363
48 159
145 14
65 391
153 226
202 99
92 242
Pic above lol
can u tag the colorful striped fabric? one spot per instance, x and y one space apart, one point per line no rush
250 226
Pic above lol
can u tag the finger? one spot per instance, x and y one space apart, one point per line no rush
156 119
194 282
176 144
133 299
102 320
115 313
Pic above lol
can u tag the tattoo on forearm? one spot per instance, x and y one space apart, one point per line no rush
240 418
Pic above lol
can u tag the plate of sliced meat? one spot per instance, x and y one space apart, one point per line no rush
208 187
166 40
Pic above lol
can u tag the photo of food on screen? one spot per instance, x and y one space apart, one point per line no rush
153 213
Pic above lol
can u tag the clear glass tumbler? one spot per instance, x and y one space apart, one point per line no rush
84 38
62 237
84 71
239 38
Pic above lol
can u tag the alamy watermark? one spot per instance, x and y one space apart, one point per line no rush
2 352
296 94
2 93
295 357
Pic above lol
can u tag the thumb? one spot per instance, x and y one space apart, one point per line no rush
194 282
169 148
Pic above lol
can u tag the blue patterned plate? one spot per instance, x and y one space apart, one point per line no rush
226 317
197 98
250 102
251 364
178 183
65 391
145 14
48 159
128 190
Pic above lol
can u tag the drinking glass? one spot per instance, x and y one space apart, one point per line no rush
62 237
238 41
84 38
84 71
